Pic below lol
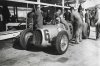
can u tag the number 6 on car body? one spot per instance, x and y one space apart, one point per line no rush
47 35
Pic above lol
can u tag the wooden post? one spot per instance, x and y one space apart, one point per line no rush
63 5
77 4
16 14
14 10
38 1
26 16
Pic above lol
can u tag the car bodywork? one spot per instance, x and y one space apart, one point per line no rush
49 32
57 35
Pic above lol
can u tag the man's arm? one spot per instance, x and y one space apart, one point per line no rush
72 18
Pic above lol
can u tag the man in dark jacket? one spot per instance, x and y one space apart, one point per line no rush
6 16
31 18
1 20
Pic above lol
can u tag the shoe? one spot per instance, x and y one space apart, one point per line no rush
76 42
97 37
80 40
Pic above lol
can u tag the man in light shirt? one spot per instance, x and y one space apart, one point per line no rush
77 24
39 19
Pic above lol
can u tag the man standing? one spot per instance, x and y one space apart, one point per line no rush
6 16
80 10
1 20
97 20
77 24
87 16
31 18
39 19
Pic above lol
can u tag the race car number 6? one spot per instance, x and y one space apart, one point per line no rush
47 35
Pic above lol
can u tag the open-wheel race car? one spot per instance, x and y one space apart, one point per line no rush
51 35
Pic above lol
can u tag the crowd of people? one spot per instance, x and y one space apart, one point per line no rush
39 17
75 16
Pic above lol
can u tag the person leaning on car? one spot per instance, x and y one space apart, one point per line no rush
60 18
39 20
80 10
77 20
35 18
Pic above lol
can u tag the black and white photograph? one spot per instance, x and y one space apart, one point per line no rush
49 32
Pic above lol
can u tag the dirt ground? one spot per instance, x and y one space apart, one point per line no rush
87 53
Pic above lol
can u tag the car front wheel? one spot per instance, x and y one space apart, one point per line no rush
62 42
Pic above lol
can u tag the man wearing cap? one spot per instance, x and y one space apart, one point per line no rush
59 16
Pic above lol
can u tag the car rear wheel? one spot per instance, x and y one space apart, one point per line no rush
86 31
37 38
26 38
62 42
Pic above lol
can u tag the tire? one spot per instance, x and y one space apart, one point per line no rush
62 37
97 31
25 38
86 31
37 38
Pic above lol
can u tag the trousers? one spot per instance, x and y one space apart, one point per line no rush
97 30
78 33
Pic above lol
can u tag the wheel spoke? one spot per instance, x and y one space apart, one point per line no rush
64 43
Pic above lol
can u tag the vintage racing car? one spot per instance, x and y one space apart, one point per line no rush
51 35
56 35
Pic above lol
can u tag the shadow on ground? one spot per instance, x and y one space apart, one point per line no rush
4 44
92 38
32 48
